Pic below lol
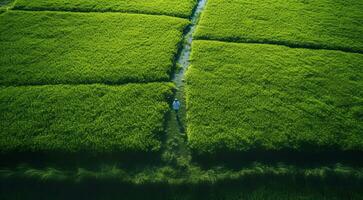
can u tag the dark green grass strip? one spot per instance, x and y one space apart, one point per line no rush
273 98
248 190
320 24
84 118
38 48
193 176
181 8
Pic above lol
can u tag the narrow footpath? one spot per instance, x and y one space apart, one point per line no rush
176 150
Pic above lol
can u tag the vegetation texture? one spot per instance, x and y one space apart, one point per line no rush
4 5
330 24
193 176
180 8
5 2
83 118
254 182
54 47
245 97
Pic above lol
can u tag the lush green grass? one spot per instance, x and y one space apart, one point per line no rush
56 47
83 118
331 24
248 182
240 98
190 175
180 8
245 97
271 189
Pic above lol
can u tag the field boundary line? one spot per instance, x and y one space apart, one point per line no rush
282 43
97 12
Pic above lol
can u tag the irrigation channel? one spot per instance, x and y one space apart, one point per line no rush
183 59
176 145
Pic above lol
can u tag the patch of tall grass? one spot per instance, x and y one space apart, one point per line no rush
327 24
39 48
255 97
193 175
88 119
180 8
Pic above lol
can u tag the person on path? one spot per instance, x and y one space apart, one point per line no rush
176 105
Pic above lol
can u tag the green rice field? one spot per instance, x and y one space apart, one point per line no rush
181 8
273 98
181 100
326 24
84 118
55 47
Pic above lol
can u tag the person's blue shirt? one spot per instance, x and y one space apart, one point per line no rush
176 105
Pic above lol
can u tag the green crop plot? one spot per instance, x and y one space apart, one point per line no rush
246 97
83 118
54 47
180 8
327 24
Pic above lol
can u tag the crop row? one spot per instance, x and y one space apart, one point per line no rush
255 97
180 8
314 24
83 118
70 48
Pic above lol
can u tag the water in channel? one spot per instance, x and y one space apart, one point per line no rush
183 60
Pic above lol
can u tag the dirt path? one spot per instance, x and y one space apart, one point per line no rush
176 149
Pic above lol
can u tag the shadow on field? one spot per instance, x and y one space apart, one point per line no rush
236 160
252 188
70 161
